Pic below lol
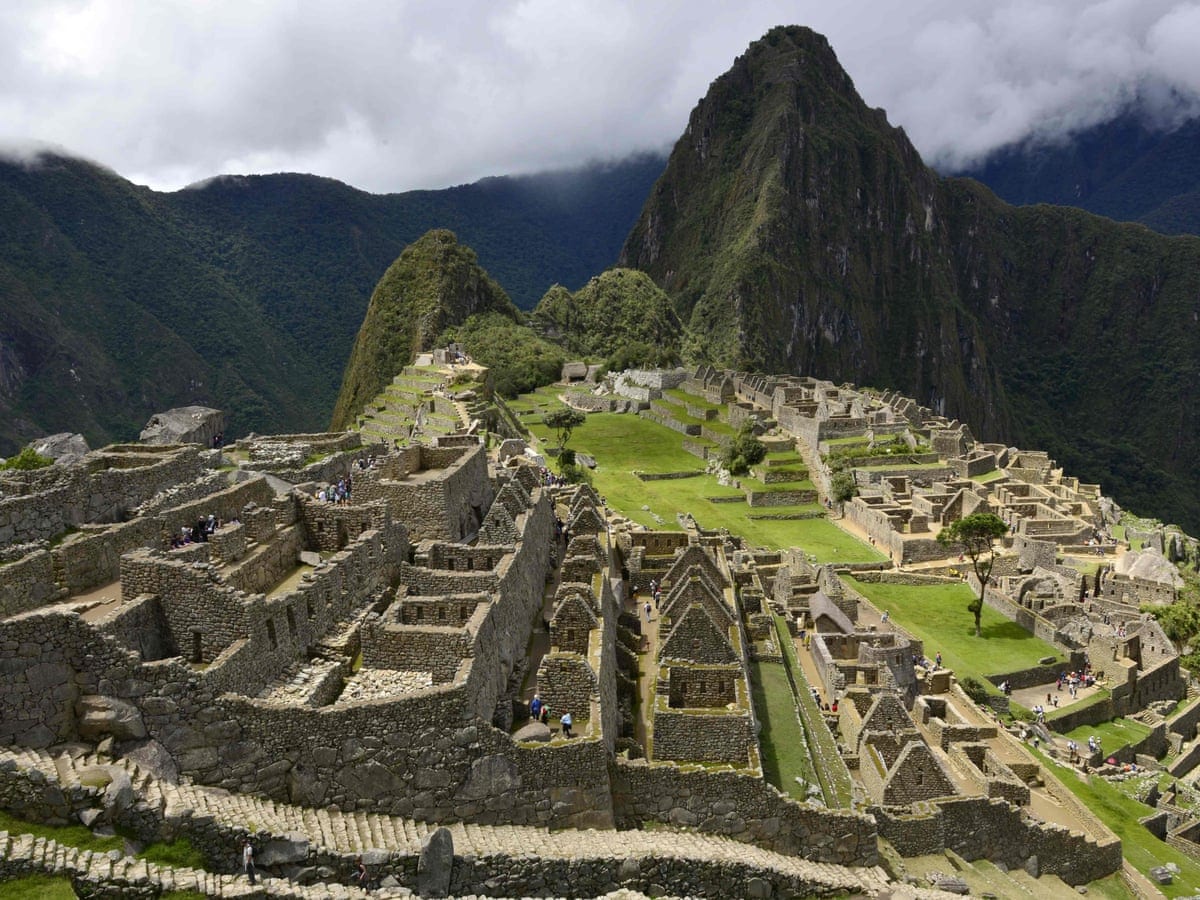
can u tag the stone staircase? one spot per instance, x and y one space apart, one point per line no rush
346 834
25 854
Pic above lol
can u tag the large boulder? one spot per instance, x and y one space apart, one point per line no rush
99 717
435 864
184 425
64 448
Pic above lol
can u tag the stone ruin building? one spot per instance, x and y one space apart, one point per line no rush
358 673
334 678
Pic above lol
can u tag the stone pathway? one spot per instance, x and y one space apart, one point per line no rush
348 834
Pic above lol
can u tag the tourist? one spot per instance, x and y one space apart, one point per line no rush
834 706
647 610
361 879
535 707
248 860
883 620
937 659
544 715
566 724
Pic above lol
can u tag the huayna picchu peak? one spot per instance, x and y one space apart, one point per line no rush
796 230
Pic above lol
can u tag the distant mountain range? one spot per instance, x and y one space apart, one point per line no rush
246 292
1128 168
793 229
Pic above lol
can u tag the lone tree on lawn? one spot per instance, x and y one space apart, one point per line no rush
974 535
562 422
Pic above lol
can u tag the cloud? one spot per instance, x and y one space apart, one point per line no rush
397 94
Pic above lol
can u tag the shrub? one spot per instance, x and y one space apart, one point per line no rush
27 460
744 451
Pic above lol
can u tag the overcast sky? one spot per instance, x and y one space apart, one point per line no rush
390 95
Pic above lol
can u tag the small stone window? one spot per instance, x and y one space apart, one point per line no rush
291 620
308 605
271 640
197 647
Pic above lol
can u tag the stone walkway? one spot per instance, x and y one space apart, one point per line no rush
347 834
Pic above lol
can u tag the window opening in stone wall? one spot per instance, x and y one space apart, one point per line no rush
291 620
271 635
308 607
441 614
197 647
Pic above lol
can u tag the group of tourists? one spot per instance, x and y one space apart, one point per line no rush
539 711
196 534
337 493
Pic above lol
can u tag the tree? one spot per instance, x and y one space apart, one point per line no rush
744 451
562 422
842 486
974 535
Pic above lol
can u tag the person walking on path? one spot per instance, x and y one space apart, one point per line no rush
248 860
566 724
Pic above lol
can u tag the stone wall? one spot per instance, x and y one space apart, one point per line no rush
977 828
741 806
708 735
102 487
28 583
437 492
566 682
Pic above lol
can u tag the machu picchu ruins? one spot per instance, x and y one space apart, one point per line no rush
328 644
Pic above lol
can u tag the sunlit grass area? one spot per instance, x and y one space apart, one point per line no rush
623 444
938 616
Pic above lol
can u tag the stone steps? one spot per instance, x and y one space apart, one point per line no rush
28 854
346 833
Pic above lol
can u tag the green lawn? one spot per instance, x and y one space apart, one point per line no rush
838 792
623 444
1113 735
72 835
784 749
1121 813
37 887
993 475
937 614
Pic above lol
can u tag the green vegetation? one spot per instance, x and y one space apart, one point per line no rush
434 284
895 445
974 535
72 835
519 360
26 460
251 287
1121 813
785 753
732 234
927 611
842 486
744 451
1113 734
38 887
178 853
624 445
835 780
620 316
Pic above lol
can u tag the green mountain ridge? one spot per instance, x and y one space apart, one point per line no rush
797 231
436 283
246 293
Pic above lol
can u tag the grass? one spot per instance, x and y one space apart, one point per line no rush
37 887
994 475
1121 813
938 616
785 755
1113 734
838 793
72 835
179 853
623 443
